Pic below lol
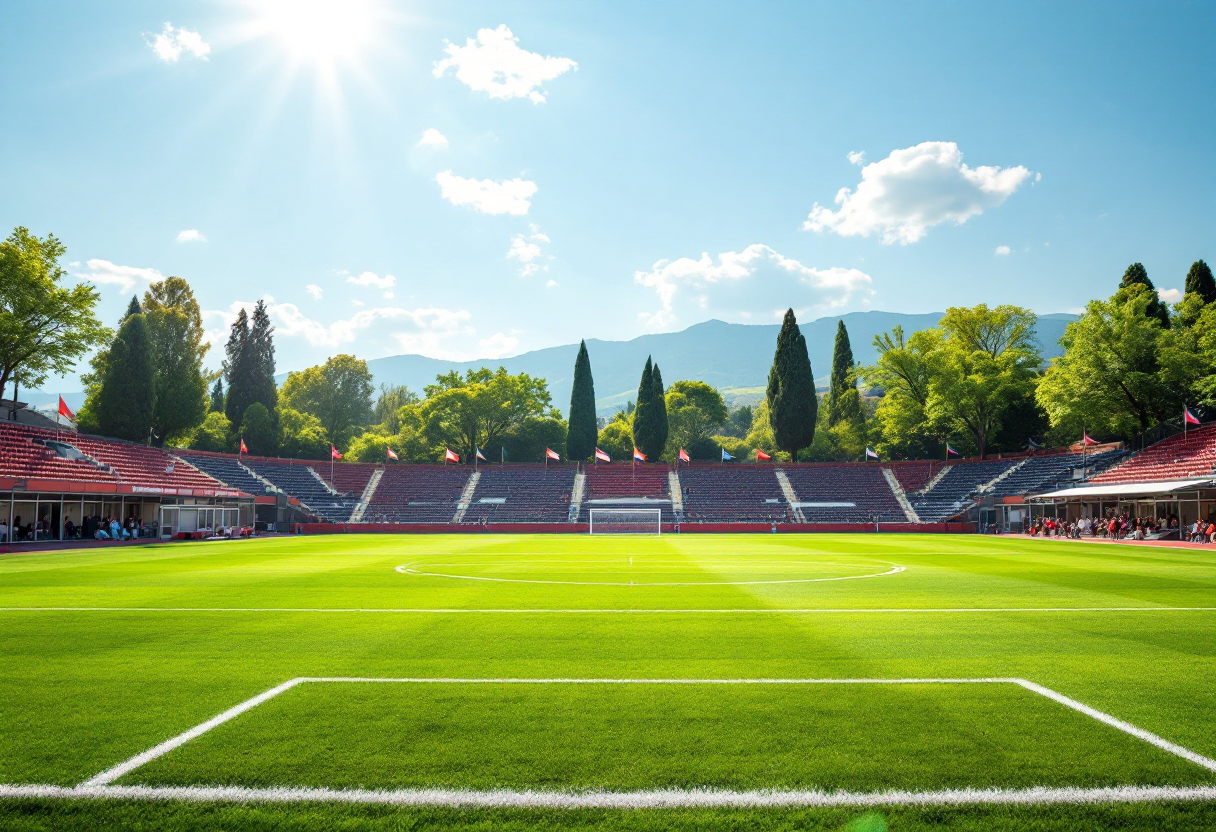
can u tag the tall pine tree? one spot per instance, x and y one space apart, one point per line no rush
1136 274
792 405
132 309
645 417
1199 280
261 376
238 363
128 392
217 395
175 324
658 396
582 430
844 400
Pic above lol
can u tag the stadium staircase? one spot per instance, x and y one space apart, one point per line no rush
790 497
466 497
576 497
369 490
677 494
951 492
900 495
1002 476
324 484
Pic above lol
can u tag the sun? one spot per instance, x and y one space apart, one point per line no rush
320 32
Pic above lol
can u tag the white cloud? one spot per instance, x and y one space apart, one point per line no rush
1002 251
171 43
551 284
512 196
375 281
857 157
432 138
494 64
315 291
191 235
913 189
125 278
498 345
525 248
1170 295
735 287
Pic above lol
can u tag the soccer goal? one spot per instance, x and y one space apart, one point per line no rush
626 521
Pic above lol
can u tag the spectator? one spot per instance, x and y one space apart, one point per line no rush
3 531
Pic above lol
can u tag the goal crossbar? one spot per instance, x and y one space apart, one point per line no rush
626 521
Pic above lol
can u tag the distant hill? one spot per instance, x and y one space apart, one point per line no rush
735 358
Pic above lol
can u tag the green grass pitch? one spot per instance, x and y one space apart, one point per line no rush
620 666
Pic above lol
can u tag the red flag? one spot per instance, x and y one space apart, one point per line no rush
391 455
601 456
638 456
333 453
1085 438
66 413
684 456
450 456
762 455
244 450
552 454
1187 415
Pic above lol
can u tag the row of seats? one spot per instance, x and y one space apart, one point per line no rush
915 474
522 494
1181 456
950 494
1043 473
226 469
417 494
22 456
863 485
300 481
737 493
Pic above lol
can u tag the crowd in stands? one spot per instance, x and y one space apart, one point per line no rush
1116 527
90 528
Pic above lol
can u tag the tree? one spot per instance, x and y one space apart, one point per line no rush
127 395
904 372
844 399
738 421
132 309
987 361
45 328
583 430
616 439
526 441
660 402
478 409
694 410
792 404
175 325
1136 275
213 434
261 367
649 424
238 369
1199 281
302 436
339 393
217 396
258 430
389 403
1108 379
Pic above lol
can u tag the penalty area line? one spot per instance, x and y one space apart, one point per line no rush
615 611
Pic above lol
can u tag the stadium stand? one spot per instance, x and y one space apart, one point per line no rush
1177 457
915 474
860 484
30 452
296 478
227 469
614 485
733 493
949 495
349 478
1041 473
417 494
521 494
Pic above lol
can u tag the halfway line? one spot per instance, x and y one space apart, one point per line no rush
506 611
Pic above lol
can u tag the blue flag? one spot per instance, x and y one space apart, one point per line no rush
725 455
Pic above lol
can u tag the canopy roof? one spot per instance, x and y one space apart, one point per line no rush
1127 489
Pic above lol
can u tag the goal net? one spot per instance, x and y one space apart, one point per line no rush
626 521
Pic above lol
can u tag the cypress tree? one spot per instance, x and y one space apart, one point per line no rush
1136 274
132 309
128 392
1199 280
792 405
844 401
658 396
582 431
217 396
645 427
237 363
261 371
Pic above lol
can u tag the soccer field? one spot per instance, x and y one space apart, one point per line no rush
858 682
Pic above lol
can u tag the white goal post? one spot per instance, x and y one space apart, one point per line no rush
626 521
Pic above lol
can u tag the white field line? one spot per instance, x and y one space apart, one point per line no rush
615 611
646 799
405 569
108 776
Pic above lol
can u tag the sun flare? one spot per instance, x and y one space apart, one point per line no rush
320 31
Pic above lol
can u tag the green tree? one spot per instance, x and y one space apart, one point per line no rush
479 408
738 421
261 364
302 436
1199 281
987 362
904 372
793 406
844 399
1136 276
389 403
526 442
133 308
213 434
649 424
175 325
1108 381
127 395
694 411
658 395
763 437
238 363
258 430
583 430
616 439
339 393
45 328
217 396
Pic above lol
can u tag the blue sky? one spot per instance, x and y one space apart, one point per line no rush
477 180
